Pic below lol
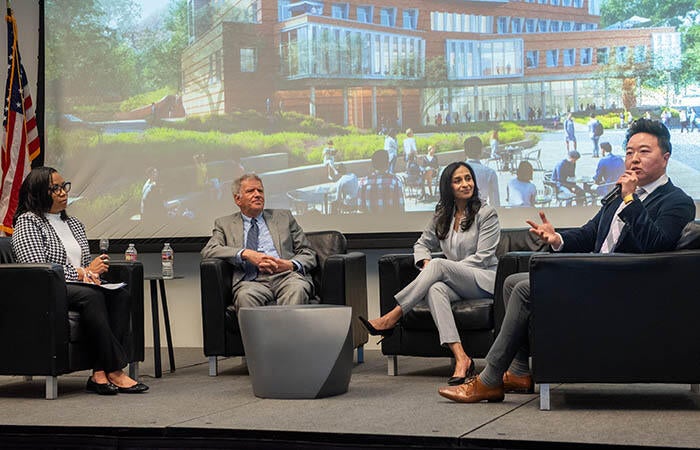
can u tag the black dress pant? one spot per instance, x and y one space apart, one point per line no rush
104 317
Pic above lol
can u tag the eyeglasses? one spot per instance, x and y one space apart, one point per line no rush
57 187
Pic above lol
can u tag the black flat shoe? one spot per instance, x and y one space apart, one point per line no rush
373 331
101 388
471 372
138 388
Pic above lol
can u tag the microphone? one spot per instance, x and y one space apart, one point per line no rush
611 195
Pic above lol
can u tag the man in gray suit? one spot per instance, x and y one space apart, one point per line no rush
267 247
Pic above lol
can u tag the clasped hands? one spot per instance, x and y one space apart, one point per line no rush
91 273
266 263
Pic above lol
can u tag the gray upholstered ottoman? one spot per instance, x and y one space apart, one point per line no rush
297 351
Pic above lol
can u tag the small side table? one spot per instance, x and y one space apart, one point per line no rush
297 351
153 278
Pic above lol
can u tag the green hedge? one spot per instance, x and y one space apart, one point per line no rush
303 148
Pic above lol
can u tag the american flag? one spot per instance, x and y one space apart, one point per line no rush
20 143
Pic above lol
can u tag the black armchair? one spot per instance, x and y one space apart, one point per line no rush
616 318
39 336
478 320
340 279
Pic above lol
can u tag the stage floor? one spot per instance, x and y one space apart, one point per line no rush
377 411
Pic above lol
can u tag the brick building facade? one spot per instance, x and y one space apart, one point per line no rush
404 62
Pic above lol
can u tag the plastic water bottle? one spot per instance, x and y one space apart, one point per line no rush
131 254
166 259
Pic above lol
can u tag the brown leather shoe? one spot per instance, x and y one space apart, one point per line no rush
521 385
473 391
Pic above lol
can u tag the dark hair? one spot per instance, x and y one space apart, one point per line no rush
380 160
573 154
524 171
653 127
446 204
473 147
34 194
606 147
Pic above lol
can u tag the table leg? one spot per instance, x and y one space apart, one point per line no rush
166 319
156 329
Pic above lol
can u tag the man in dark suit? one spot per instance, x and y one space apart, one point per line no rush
268 249
647 216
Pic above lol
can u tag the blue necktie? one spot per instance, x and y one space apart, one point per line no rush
251 272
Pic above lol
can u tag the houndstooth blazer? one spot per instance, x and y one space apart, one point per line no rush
35 241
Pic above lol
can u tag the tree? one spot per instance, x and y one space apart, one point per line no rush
87 54
160 48
613 11
690 65
435 80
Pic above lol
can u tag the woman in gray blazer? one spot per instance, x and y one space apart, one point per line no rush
467 232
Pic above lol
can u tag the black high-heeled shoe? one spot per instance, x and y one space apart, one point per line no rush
373 331
471 372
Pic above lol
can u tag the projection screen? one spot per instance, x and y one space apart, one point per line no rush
154 107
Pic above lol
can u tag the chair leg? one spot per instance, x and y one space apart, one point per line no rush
213 366
392 365
544 397
134 370
51 388
695 388
360 354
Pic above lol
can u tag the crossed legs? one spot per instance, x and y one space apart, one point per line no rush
440 283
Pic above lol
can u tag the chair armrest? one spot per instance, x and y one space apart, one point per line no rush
615 317
34 320
345 283
131 273
216 277
396 271
508 264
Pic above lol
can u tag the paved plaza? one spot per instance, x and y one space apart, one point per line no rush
683 168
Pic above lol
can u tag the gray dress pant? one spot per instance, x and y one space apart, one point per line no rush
286 288
513 340
439 284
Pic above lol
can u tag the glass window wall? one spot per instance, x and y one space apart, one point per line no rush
364 14
483 59
569 57
319 50
603 55
586 56
387 17
410 19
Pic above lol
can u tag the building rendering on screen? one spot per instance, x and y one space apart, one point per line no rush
407 62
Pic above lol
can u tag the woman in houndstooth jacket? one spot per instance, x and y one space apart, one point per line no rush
44 233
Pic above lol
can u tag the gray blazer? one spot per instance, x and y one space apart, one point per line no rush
475 247
290 241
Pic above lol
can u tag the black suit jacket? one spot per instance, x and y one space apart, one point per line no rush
653 225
